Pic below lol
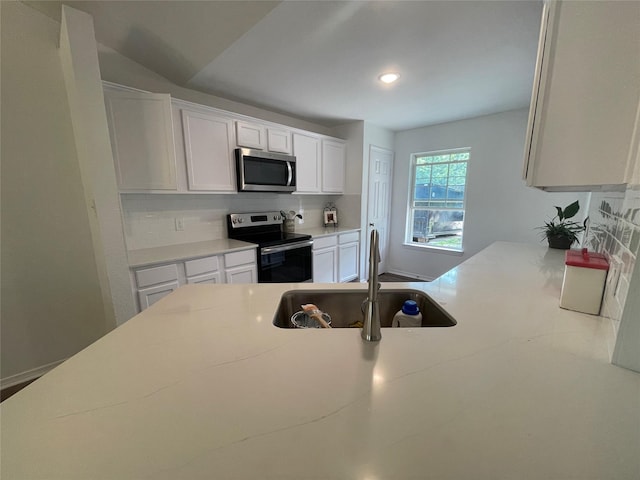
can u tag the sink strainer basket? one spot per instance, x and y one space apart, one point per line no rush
302 320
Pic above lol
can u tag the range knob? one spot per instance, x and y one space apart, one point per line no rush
240 220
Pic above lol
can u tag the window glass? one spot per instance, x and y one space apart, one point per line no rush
437 199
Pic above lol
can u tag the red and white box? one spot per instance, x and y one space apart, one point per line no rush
585 274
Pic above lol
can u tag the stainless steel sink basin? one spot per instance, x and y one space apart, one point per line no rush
345 306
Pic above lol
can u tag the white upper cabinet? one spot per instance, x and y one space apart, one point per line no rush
334 156
208 148
278 140
165 145
307 152
251 135
320 164
141 139
585 96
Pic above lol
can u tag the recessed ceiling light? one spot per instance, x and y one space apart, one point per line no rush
389 77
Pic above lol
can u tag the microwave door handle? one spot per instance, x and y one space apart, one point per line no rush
290 171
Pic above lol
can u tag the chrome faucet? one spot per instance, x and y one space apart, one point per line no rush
371 324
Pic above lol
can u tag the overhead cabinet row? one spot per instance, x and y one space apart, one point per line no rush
166 145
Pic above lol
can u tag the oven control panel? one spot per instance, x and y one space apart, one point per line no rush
240 220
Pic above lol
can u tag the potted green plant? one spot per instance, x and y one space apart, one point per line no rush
561 232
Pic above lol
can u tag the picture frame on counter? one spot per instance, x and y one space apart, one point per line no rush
330 218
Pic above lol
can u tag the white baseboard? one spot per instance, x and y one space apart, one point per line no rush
32 374
411 275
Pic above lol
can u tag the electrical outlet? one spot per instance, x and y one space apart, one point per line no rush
179 224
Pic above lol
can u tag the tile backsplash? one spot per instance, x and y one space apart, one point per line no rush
158 220
615 231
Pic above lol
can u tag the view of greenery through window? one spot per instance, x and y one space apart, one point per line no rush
437 198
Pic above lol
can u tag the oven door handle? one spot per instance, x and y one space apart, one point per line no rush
284 248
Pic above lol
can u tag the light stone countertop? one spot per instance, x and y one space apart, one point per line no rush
317 232
184 251
202 385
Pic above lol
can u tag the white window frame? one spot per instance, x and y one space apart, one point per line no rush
410 201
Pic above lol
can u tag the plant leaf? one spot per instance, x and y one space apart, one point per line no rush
571 210
560 214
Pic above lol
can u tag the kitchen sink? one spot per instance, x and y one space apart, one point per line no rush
346 306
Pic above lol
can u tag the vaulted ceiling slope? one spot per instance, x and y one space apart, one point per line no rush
319 60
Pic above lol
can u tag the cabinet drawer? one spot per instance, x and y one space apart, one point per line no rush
201 265
215 277
239 258
325 242
155 275
349 237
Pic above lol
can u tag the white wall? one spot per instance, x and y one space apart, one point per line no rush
149 219
615 231
51 297
499 205
79 60
117 68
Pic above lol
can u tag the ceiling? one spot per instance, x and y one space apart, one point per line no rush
319 60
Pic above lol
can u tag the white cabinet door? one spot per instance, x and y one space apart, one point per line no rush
585 95
149 296
141 139
307 152
242 274
348 256
278 140
334 155
208 143
215 277
325 265
251 135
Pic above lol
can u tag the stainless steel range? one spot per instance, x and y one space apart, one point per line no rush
282 257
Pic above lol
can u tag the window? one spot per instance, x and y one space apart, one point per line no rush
437 199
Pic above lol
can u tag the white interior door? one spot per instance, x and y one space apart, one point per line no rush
379 200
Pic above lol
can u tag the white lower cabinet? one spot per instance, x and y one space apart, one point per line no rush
240 267
203 270
215 277
155 282
325 259
348 256
244 274
325 263
149 296
336 258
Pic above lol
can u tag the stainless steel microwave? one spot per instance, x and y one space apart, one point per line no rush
259 171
